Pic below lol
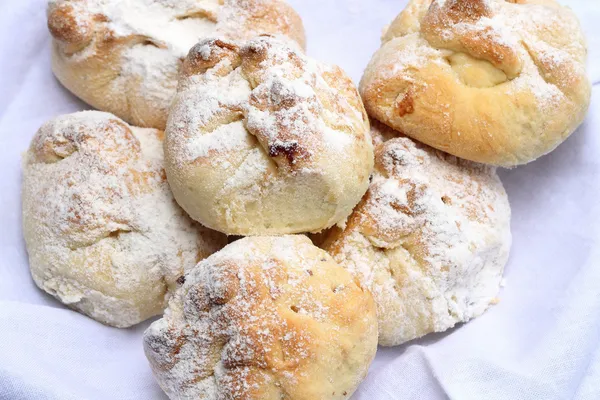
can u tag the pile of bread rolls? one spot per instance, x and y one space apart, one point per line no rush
214 124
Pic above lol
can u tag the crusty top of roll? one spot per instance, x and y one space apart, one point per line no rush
103 232
494 81
262 139
265 318
429 239
124 56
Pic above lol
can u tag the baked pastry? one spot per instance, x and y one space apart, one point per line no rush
264 318
264 140
501 82
430 239
103 232
124 57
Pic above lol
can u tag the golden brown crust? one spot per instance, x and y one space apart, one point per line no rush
266 318
119 62
487 80
443 27
65 24
266 17
198 63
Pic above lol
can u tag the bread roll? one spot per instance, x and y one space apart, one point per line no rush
264 140
103 232
493 81
430 239
266 318
124 56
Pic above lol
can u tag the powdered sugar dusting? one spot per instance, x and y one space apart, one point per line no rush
430 240
501 82
107 238
300 119
412 57
225 138
294 107
249 322
512 36
282 110
143 43
172 25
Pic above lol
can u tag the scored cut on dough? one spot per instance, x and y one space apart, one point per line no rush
124 56
493 81
103 232
266 318
264 140
430 239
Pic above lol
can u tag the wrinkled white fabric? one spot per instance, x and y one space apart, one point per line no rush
540 343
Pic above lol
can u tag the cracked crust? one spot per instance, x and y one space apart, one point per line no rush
263 140
124 57
493 81
265 318
103 232
430 238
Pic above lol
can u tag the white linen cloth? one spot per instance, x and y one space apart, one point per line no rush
542 342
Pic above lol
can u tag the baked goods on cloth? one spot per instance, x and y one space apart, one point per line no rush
264 318
493 81
103 232
430 239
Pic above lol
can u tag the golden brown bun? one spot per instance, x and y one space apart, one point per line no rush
494 81
429 240
103 232
124 57
266 318
264 140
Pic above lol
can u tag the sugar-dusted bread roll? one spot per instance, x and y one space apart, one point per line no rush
124 56
501 82
264 140
266 318
103 232
430 239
